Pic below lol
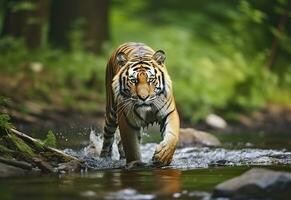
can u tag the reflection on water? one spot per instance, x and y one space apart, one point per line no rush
144 184
192 175
120 184
117 184
168 180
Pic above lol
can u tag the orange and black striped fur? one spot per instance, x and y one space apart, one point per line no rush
139 93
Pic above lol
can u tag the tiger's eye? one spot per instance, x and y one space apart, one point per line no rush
133 80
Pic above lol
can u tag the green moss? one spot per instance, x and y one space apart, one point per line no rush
39 145
21 146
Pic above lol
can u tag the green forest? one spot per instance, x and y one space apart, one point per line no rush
226 57
228 137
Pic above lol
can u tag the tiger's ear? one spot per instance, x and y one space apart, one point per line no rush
160 56
121 59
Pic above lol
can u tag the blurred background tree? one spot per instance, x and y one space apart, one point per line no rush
90 18
224 57
25 19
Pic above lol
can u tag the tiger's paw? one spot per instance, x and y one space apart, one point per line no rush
164 154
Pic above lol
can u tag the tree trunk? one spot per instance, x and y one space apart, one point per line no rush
97 24
63 15
36 23
14 21
274 48
94 17
26 22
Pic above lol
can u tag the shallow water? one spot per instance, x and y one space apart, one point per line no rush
121 184
195 158
192 175
115 184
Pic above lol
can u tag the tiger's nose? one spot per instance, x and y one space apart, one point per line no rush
143 97
143 94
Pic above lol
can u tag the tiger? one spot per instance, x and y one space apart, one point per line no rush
139 93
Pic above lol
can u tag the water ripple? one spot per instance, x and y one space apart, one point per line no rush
194 157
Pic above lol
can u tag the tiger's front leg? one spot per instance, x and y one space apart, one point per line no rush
130 139
165 150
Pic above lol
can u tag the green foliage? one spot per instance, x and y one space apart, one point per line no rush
76 62
22 6
4 118
216 59
216 55
4 121
51 71
50 140
3 101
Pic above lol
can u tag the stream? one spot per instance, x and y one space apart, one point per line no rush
193 173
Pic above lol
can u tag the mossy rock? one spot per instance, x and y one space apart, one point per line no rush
7 153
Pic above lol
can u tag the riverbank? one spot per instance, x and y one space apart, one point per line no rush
273 119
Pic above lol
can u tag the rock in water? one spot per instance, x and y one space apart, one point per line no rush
215 121
8 170
192 137
256 184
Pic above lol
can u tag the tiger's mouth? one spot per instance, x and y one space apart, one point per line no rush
144 104
143 108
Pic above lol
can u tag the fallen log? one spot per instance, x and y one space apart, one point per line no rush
19 150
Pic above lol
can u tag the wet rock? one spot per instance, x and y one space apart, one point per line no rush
71 166
256 184
215 121
9 170
192 137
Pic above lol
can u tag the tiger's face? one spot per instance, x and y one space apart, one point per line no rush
142 82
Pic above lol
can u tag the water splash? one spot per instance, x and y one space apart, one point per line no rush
184 158
95 146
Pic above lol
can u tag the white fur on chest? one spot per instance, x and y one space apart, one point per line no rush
143 116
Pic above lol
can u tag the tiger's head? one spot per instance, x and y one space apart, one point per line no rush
142 81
